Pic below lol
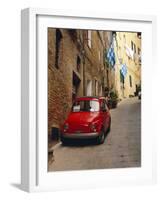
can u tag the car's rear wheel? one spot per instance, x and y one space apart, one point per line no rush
101 138
64 141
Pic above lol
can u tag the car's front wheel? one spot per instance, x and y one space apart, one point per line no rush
101 138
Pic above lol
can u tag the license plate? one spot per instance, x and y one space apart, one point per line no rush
78 132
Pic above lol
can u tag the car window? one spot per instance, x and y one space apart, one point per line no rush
86 105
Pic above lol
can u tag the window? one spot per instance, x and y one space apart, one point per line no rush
73 34
89 38
78 63
139 35
58 39
139 55
130 80
86 106
124 38
134 48
121 77
132 45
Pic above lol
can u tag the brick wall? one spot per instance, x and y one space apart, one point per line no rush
60 80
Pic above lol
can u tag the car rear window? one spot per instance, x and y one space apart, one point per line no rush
86 106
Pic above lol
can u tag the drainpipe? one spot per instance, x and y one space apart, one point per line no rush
84 89
83 54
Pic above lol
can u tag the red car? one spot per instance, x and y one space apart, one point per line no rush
89 118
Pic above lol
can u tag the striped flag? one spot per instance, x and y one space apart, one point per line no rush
111 56
123 70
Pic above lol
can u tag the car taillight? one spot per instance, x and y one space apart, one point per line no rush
66 126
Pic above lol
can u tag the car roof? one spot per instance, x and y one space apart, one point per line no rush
90 98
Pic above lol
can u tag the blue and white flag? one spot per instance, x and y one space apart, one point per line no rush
123 70
111 56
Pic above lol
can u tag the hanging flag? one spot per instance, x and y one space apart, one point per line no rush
129 52
124 70
111 56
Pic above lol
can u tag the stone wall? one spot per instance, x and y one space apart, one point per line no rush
65 79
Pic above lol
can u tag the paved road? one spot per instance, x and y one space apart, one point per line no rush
122 147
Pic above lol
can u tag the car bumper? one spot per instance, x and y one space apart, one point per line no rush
80 135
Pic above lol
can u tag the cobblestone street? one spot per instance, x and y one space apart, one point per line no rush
122 147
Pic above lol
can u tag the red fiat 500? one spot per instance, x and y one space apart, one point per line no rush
89 118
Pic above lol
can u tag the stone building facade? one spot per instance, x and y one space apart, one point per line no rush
76 67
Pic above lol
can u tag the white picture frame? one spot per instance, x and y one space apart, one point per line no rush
34 176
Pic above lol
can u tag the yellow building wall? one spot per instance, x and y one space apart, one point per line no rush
122 42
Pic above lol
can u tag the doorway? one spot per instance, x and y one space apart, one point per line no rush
75 85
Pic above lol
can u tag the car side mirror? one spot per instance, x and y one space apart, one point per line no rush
103 109
109 105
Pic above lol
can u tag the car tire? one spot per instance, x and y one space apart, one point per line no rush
101 138
109 128
64 141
